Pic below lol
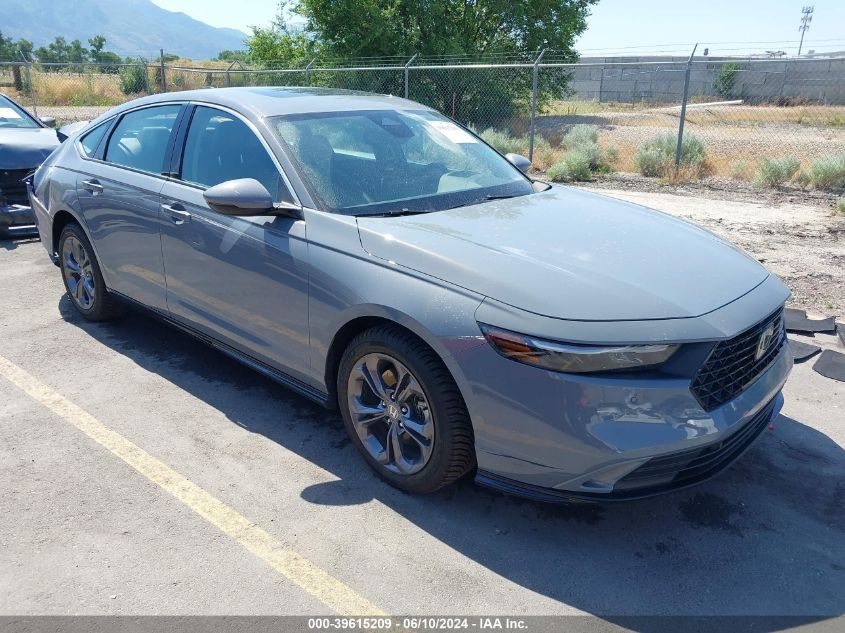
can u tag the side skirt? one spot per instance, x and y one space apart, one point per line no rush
282 378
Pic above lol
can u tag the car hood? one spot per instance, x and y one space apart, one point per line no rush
26 148
570 254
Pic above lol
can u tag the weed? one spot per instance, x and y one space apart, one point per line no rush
574 165
581 134
773 172
828 172
740 169
656 157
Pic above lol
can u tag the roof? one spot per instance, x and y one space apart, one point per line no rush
264 101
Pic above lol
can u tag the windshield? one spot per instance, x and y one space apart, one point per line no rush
13 116
395 161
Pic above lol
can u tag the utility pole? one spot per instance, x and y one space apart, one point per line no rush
806 18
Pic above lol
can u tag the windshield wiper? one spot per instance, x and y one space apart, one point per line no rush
393 214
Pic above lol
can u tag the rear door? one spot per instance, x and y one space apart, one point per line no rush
242 280
119 193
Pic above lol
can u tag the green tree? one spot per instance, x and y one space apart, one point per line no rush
97 43
109 62
11 50
401 28
280 44
232 56
726 79
76 53
354 28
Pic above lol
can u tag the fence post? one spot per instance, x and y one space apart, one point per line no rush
308 72
143 63
683 111
161 66
535 80
229 68
407 72
28 74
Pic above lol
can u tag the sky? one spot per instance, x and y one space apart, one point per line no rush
632 26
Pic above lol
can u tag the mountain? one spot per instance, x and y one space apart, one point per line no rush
131 27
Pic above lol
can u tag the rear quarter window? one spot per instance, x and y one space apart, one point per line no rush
90 140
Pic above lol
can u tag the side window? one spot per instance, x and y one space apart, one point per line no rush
221 147
91 139
140 138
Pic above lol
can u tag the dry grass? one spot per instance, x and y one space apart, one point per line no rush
68 89
728 145
756 116
735 137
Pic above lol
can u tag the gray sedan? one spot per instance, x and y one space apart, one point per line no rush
376 257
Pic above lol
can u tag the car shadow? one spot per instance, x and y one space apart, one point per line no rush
10 243
764 538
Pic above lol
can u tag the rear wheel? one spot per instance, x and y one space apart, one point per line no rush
82 277
403 410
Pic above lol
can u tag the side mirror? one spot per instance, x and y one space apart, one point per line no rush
246 196
49 121
520 162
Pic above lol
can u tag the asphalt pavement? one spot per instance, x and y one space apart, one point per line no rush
142 472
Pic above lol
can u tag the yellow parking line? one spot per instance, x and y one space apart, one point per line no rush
319 583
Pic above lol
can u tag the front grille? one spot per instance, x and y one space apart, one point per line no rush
686 467
733 365
12 186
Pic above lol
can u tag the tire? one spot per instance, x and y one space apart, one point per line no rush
82 277
432 440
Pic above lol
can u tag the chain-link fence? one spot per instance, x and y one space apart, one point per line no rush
598 114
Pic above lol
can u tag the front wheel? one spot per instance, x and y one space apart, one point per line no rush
403 411
82 277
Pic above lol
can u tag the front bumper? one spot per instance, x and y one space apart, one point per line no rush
658 475
17 220
555 436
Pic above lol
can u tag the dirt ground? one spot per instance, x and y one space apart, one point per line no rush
795 234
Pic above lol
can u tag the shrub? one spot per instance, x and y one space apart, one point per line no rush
544 155
773 172
656 157
574 165
740 169
726 79
581 134
802 179
840 206
133 79
504 142
828 172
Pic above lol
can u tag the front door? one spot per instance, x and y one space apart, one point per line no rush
242 280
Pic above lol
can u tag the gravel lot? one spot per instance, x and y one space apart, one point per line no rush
85 534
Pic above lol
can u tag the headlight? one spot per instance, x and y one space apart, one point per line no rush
575 358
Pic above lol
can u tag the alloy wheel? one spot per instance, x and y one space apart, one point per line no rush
78 272
390 413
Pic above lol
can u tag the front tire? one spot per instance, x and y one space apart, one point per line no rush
82 277
403 411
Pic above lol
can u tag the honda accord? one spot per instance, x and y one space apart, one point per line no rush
375 256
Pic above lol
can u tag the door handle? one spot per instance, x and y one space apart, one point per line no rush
92 186
177 213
